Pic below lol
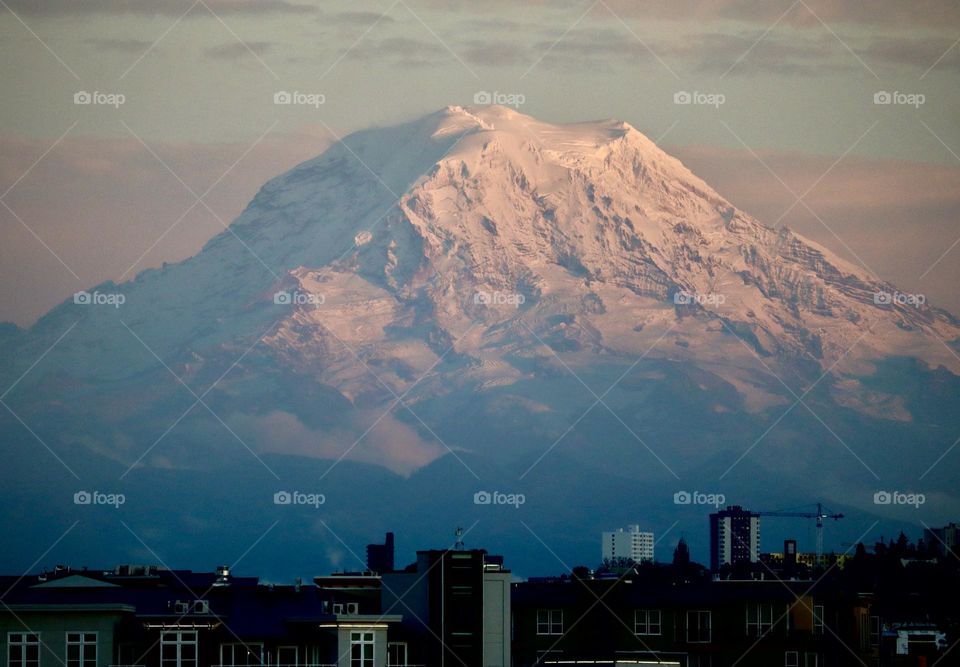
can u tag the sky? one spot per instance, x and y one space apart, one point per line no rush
132 132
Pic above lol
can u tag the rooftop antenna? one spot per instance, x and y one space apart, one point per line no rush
458 545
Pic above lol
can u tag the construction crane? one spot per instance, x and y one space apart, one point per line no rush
820 515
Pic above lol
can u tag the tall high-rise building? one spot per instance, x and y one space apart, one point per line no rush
632 543
734 537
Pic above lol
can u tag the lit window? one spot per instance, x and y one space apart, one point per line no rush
646 622
81 649
550 621
23 649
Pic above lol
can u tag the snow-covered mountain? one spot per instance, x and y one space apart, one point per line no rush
488 276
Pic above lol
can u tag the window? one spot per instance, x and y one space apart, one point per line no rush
791 659
698 627
396 654
178 648
288 656
81 649
818 619
759 619
646 622
811 660
361 649
874 631
695 660
241 655
549 621
23 649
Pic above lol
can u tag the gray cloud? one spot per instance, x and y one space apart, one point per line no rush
233 50
156 7
119 45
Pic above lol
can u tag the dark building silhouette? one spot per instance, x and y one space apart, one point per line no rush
380 556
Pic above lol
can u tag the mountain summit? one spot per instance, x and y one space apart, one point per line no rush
473 260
